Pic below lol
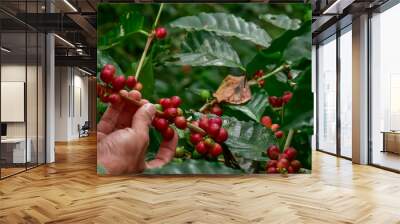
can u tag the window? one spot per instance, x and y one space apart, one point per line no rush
327 96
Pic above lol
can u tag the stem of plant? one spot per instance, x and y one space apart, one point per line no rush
279 69
150 38
206 105
289 138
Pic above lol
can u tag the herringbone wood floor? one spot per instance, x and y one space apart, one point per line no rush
69 191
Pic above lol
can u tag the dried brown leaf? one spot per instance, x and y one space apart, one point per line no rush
233 90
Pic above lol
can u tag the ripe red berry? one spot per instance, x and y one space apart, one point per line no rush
272 163
291 153
203 123
107 73
131 82
272 170
168 134
287 96
165 103
217 110
216 150
275 101
160 124
279 134
171 113
201 148
139 86
290 169
213 129
216 120
259 73
195 123
282 164
105 98
261 82
266 121
222 135
175 101
118 83
114 98
180 122
273 152
209 143
195 138
160 32
296 165
283 156
275 127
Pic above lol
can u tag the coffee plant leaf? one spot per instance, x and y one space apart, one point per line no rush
299 110
281 21
298 48
224 24
113 29
233 90
255 108
273 55
207 49
248 140
192 166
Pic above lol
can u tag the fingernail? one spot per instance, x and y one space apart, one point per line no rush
150 109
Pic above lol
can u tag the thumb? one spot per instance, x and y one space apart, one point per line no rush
143 117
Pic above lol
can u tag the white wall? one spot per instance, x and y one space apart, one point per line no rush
71 102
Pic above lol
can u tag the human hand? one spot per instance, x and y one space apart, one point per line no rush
123 137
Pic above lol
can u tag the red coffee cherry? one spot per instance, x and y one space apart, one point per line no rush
275 101
290 169
171 113
201 148
168 134
165 103
287 96
195 138
266 121
296 165
131 82
175 101
222 135
203 123
160 124
275 127
160 32
272 170
118 83
283 156
291 153
279 134
216 150
259 73
216 120
213 129
273 152
107 73
282 164
271 163
209 143
114 98
180 122
217 110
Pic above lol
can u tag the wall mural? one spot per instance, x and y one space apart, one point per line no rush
204 89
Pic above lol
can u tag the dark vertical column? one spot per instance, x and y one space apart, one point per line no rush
317 96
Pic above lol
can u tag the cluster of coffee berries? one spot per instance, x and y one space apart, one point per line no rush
276 101
169 113
258 74
160 33
267 122
209 142
113 84
282 162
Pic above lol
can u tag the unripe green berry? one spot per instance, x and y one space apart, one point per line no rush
205 94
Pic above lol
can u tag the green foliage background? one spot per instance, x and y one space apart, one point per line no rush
121 42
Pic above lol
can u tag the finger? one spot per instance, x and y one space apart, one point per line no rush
165 153
143 118
109 119
125 118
